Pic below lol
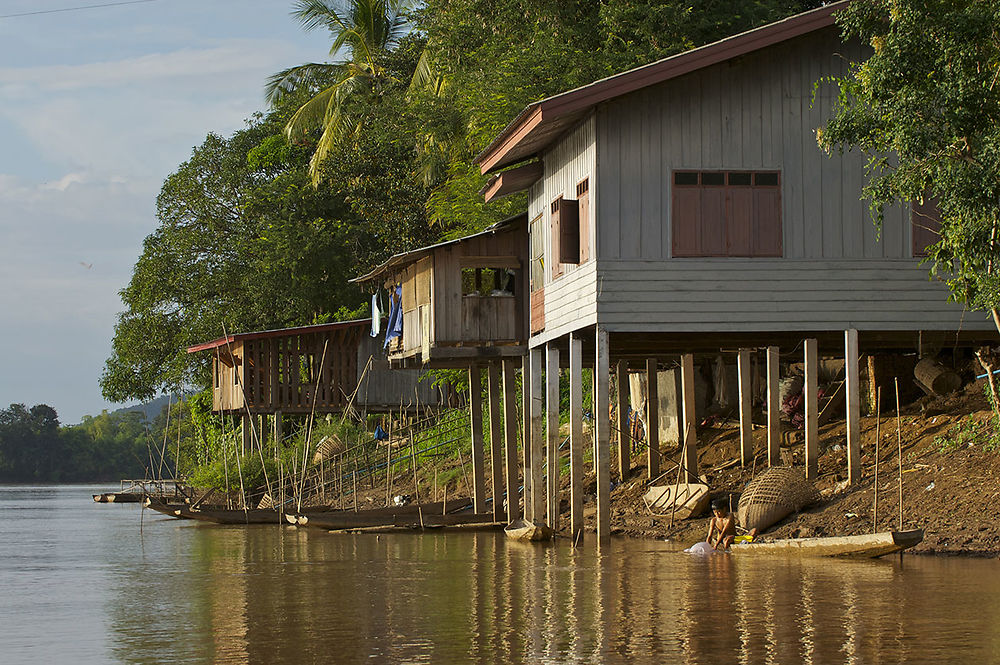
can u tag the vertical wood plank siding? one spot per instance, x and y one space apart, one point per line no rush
570 299
757 112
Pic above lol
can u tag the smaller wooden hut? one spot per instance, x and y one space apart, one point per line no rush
328 367
460 301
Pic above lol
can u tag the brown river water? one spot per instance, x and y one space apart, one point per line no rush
94 583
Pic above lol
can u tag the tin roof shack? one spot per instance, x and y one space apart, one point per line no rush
284 371
684 206
463 301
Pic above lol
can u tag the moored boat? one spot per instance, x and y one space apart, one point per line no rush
866 546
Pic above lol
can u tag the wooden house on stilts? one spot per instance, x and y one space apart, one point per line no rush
684 207
325 368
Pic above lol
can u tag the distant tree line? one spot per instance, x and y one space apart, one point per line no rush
35 448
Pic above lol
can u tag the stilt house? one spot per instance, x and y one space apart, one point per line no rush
461 301
329 367
685 207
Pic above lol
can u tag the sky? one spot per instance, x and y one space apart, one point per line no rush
97 107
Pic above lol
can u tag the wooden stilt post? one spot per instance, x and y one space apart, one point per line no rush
279 429
602 426
853 388
652 420
552 431
496 440
525 462
689 457
244 434
773 409
746 407
476 422
812 408
538 501
510 437
576 435
624 440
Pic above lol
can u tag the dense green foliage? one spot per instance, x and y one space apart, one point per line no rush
925 108
35 448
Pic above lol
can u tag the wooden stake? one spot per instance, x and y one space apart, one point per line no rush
746 406
878 439
811 389
413 466
355 474
899 446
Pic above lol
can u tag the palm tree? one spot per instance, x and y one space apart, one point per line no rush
363 31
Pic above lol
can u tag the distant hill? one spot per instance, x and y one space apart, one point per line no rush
150 409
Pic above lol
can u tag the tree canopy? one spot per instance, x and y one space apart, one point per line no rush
925 108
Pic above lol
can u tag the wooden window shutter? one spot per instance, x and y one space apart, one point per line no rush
713 221
685 214
556 239
740 229
569 230
767 222
925 218
583 196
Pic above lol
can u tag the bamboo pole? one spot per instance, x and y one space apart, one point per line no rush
899 447
878 439
355 474
413 467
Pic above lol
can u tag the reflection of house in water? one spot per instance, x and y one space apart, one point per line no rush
330 367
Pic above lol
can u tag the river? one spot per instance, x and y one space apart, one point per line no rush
82 582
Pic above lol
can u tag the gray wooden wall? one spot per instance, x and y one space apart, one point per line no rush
571 299
756 112
383 388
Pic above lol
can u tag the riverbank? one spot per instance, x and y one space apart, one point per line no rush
950 480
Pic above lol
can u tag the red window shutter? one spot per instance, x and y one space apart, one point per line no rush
569 230
767 222
926 221
685 213
583 195
713 221
739 230
556 238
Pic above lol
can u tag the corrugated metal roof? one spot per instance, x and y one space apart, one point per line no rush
279 332
406 258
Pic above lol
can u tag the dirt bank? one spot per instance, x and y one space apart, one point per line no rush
950 479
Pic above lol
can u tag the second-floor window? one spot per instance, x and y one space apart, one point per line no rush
726 213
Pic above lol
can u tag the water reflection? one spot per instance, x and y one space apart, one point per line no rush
188 593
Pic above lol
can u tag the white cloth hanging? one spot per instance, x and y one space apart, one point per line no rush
376 316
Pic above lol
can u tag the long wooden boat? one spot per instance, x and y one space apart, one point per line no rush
344 519
216 515
867 546
118 497
526 530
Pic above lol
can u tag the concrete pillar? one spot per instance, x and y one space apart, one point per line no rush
510 438
576 434
552 431
538 501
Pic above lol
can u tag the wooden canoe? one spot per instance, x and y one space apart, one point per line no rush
867 546
118 497
685 500
525 530
345 519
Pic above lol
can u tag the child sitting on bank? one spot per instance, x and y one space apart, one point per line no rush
722 526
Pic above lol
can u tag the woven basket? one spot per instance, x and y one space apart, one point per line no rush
327 447
266 502
772 496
